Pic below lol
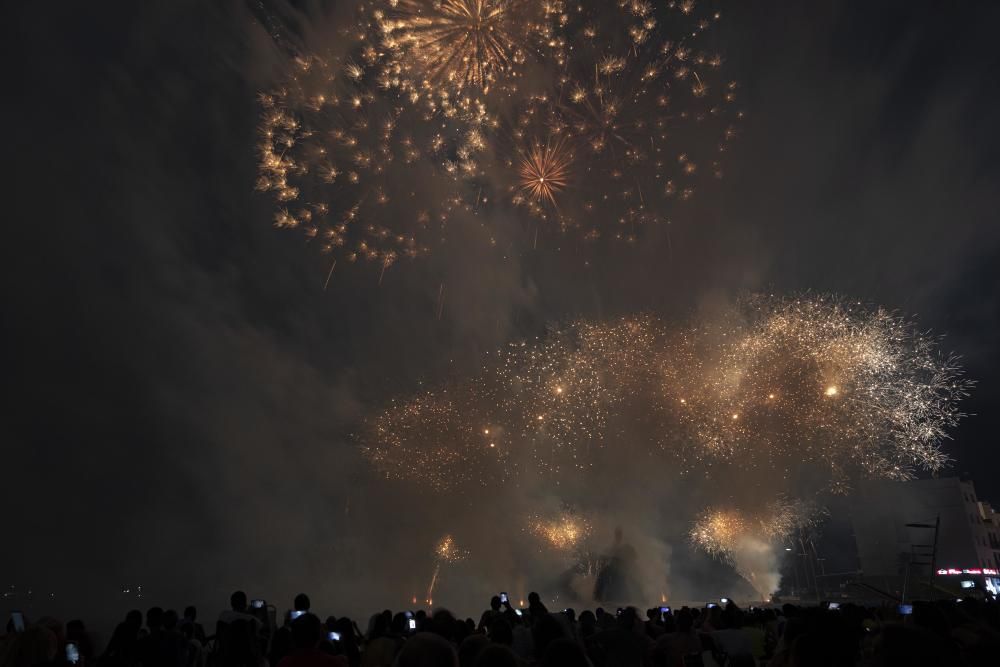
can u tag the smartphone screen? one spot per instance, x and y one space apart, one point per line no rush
72 653
906 609
711 605
834 605
724 600
333 636
503 598
295 614
413 624
519 612
257 604
664 610
18 619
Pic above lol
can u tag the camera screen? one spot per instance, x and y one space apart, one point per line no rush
72 653
296 614
333 636
413 624
906 609
257 604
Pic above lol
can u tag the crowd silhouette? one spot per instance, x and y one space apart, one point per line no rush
249 634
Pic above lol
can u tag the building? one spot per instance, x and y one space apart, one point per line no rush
931 533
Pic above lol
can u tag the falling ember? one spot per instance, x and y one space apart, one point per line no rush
434 578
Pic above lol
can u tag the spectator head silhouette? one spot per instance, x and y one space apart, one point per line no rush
190 613
301 602
495 603
533 599
170 620
134 617
238 601
306 632
685 621
629 620
154 618
425 649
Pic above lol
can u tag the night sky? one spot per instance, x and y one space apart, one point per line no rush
180 389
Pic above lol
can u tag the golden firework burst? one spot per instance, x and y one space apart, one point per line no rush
544 170
461 43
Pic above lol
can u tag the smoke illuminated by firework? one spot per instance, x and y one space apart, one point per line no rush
775 385
719 532
751 542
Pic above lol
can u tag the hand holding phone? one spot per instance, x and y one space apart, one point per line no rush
257 604
503 598
333 636
72 653
412 624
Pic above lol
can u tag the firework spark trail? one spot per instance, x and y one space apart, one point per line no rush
445 551
777 388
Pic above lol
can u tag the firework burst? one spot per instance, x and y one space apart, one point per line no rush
751 393
565 532
341 161
449 49
544 170
646 119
